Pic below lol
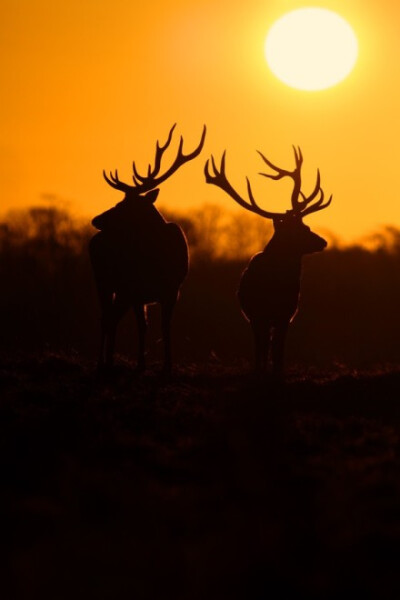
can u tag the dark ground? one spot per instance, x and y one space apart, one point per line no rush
212 485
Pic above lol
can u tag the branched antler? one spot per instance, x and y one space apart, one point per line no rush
115 182
299 208
218 178
145 183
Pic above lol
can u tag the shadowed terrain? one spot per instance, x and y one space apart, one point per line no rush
211 485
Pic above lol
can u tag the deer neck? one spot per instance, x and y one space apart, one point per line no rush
146 226
155 220
288 259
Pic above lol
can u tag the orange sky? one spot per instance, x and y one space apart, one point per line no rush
88 84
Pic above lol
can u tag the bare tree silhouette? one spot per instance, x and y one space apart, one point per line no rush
270 285
137 257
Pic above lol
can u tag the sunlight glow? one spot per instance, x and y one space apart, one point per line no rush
311 49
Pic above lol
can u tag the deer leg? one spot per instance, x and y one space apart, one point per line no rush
261 346
103 337
278 348
166 316
118 309
106 310
140 312
110 341
258 350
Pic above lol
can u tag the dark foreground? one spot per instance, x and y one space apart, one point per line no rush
209 486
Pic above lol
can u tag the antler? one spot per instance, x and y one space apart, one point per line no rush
150 181
299 207
218 178
115 183
144 183
157 162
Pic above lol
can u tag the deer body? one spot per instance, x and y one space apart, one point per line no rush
149 260
269 291
270 285
138 258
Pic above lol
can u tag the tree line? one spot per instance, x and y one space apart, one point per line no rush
348 307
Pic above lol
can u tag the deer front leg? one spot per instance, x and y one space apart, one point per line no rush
117 311
278 348
100 361
140 312
261 334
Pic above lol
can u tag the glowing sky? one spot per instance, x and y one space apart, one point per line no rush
91 84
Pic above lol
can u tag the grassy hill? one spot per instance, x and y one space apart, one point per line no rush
210 485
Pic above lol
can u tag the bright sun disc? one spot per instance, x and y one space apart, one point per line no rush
311 48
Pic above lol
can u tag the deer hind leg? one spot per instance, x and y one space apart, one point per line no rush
140 312
166 317
278 348
106 300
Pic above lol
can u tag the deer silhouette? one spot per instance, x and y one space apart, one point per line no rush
270 285
137 257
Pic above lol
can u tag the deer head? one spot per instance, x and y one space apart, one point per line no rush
289 227
144 191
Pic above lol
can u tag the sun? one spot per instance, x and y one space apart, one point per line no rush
311 48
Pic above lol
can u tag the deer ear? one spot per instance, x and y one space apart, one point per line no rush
96 222
152 196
